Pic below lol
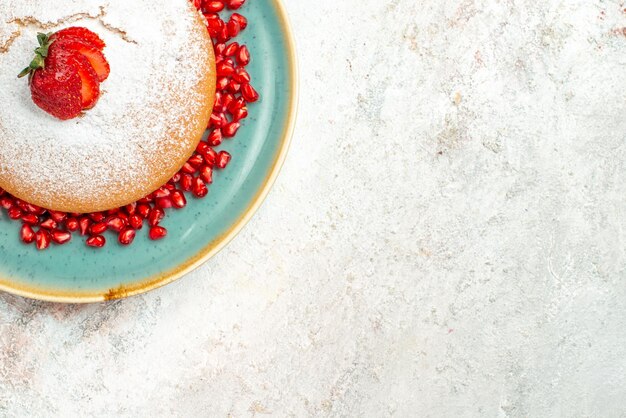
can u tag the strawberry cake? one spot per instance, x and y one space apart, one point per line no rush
114 101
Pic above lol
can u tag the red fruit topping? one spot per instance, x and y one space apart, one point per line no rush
156 215
57 89
116 224
30 219
43 239
72 224
48 224
235 4
127 236
97 242
82 34
93 55
98 228
135 221
157 232
90 90
66 72
84 224
199 189
61 237
178 199
27 234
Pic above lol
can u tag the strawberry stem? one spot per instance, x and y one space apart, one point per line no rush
41 53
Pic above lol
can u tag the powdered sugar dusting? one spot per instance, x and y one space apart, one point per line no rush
145 111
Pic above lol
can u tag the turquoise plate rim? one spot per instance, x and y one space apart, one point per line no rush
216 245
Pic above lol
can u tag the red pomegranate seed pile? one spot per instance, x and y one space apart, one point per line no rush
234 91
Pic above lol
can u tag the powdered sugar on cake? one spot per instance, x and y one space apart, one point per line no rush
151 89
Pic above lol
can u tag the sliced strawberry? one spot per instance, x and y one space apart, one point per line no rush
57 89
65 74
82 34
94 55
90 90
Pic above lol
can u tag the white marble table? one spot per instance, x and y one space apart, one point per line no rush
447 238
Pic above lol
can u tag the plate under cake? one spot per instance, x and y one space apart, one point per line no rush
152 113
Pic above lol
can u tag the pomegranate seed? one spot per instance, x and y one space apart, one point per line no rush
97 241
241 75
243 22
201 148
231 49
72 224
157 232
222 83
61 237
135 221
225 68
174 179
213 6
188 169
223 158
97 216
115 224
156 216
178 199
223 119
215 138
98 228
231 129
236 105
27 234
49 224
234 87
196 160
186 182
219 49
210 157
222 34
206 174
15 213
27 207
43 239
123 217
30 219
83 224
249 93
57 216
130 209
164 202
214 25
6 202
199 189
235 4
143 210
243 56
233 28
162 192
127 236
240 114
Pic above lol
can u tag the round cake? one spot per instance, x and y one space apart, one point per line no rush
152 112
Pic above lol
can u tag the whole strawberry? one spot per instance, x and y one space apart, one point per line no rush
66 72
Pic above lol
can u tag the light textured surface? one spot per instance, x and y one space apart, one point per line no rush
447 239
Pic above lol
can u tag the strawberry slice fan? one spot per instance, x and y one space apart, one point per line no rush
65 77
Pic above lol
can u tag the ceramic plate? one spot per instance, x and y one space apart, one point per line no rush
76 273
